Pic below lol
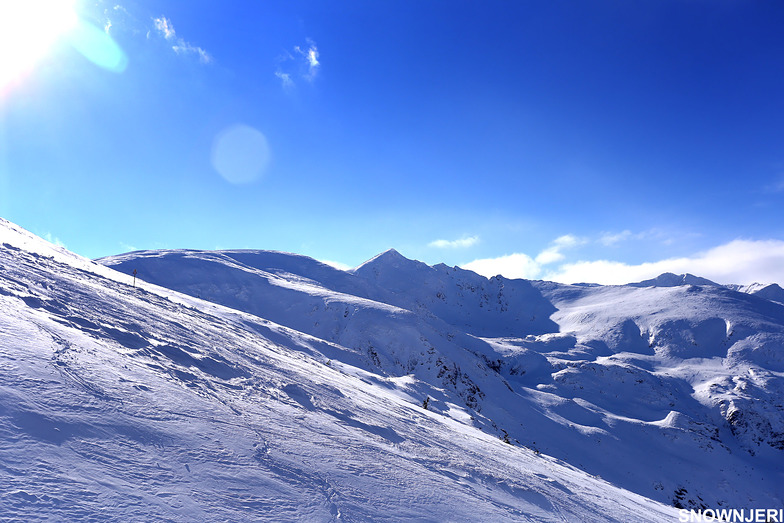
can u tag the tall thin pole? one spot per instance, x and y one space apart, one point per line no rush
134 278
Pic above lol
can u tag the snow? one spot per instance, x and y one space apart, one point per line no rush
769 291
669 279
257 385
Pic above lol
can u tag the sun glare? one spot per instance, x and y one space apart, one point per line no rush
28 29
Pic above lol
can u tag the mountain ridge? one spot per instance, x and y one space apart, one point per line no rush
550 351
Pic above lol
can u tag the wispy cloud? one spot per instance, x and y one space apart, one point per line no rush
568 240
303 63
165 28
614 239
462 243
112 14
554 253
609 238
126 247
778 185
187 48
285 79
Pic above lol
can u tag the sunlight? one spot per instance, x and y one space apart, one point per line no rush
27 30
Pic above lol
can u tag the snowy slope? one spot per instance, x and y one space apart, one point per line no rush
128 404
769 291
693 370
670 388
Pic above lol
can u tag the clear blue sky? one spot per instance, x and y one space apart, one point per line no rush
559 132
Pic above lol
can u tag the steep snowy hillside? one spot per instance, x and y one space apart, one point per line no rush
461 298
127 403
670 388
693 370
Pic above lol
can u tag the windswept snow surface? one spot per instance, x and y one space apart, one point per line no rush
139 403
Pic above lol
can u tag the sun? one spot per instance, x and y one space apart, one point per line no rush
28 29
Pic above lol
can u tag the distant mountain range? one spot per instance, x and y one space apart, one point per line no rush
256 385
769 291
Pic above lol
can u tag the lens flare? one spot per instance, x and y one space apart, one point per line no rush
240 154
98 47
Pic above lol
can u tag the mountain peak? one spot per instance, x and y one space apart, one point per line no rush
387 259
391 253
768 291
669 279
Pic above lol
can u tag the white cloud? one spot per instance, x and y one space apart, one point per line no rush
462 243
313 60
311 57
165 28
515 265
608 272
549 255
568 240
520 265
739 261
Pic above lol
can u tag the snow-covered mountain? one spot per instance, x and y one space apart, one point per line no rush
769 291
669 279
256 385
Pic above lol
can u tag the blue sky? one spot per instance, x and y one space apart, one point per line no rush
569 140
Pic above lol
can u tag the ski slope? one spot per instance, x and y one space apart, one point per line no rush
253 385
